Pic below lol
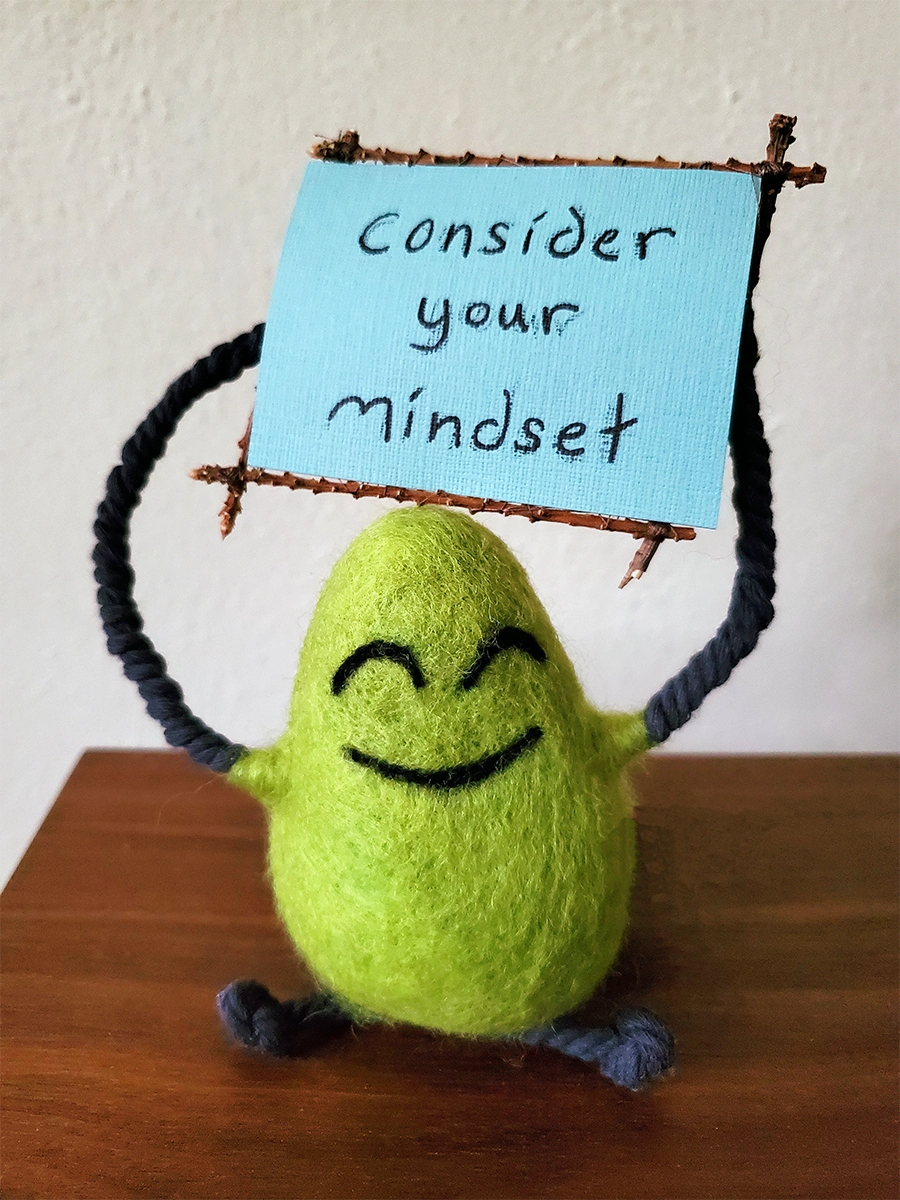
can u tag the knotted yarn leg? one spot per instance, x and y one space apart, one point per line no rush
279 1029
635 1049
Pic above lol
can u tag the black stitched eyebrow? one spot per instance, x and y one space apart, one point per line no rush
390 650
510 637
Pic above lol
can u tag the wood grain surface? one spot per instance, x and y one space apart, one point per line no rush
764 933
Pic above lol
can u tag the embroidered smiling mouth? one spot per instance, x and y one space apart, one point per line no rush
445 779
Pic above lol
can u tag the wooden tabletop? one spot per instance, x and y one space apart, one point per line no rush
764 933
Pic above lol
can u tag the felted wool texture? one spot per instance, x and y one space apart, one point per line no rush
485 909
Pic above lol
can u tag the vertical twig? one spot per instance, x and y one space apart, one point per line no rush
237 484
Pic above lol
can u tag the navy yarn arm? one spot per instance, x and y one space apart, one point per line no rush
122 621
750 609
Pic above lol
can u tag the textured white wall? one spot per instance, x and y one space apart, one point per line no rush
154 152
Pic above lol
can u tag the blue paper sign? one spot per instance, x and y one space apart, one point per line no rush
560 336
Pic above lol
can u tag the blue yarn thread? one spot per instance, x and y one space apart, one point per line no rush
122 621
258 1021
750 609
631 1052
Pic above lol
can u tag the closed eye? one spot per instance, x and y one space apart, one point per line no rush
373 650
510 637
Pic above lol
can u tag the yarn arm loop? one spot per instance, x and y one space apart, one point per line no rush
122 621
750 609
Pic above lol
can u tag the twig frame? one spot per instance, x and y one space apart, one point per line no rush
774 171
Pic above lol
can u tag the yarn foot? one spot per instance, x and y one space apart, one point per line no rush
635 1049
280 1029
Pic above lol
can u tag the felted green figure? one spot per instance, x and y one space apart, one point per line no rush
451 839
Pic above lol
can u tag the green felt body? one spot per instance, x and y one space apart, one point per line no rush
485 909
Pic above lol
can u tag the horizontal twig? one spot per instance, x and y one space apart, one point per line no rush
238 477
347 149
